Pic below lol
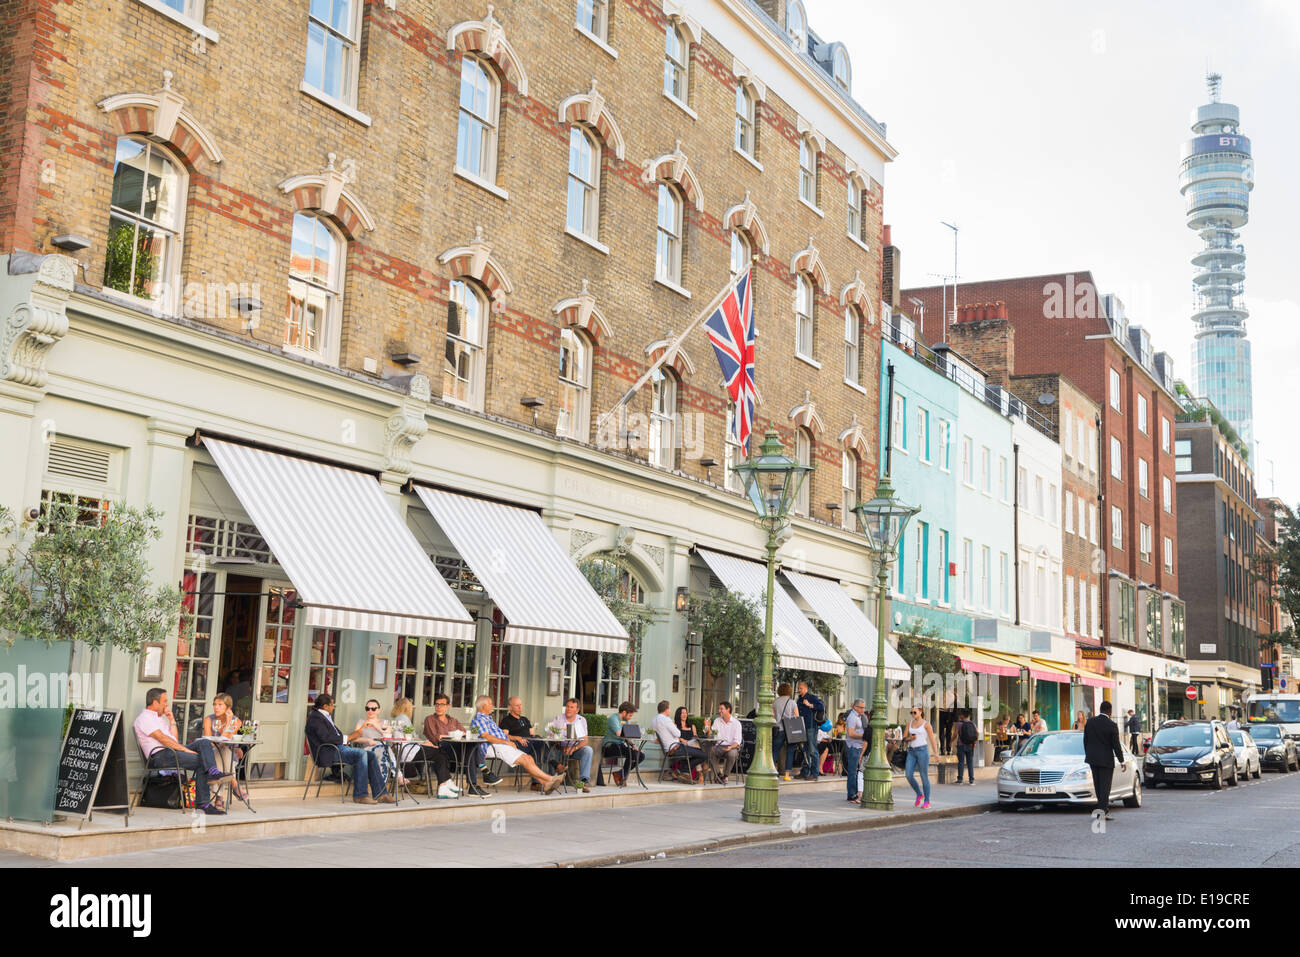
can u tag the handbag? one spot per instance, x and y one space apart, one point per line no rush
162 790
793 727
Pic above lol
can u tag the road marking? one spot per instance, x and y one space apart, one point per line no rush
1211 844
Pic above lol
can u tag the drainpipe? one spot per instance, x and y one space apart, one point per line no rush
1015 523
889 417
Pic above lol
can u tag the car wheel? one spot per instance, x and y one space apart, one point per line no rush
1259 771
1232 781
1135 799
1217 783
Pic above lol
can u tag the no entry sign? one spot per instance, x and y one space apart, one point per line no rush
1191 692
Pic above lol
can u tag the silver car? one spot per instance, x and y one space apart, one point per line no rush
1049 769
1248 762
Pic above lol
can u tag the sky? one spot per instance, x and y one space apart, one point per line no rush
1050 133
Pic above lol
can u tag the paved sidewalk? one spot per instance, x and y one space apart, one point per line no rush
573 838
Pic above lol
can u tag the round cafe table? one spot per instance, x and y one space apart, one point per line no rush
239 762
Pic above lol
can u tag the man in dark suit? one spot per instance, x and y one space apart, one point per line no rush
1100 746
366 774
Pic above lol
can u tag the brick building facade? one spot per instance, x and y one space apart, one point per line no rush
437 241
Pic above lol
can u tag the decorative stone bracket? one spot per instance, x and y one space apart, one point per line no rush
34 293
406 426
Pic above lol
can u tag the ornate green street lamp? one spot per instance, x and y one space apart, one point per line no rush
772 483
884 519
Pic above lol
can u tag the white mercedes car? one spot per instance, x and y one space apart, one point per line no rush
1248 763
1050 769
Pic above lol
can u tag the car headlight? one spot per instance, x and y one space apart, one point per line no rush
1007 772
1081 774
1152 759
1205 758
1276 752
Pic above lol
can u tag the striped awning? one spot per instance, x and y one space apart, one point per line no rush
849 625
798 643
1039 671
976 661
546 600
1090 678
353 561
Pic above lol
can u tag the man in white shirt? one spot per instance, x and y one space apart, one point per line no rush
572 727
674 748
1037 724
726 748
159 741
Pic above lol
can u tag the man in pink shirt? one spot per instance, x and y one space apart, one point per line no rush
155 732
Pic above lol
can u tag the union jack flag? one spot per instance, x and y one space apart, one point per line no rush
731 330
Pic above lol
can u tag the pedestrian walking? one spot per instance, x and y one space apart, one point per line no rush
855 736
1079 721
1101 744
967 735
1134 728
813 711
920 745
783 707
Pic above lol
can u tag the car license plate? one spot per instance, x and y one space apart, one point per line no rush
1175 770
1040 789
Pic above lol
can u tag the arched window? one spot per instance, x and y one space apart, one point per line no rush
575 385
745 139
462 372
803 455
316 258
668 248
593 16
840 66
142 257
807 171
803 312
663 418
740 253
676 64
796 23
848 488
852 324
584 183
476 129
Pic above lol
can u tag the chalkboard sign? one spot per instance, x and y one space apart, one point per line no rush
92 765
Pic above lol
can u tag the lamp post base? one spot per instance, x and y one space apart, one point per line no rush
761 804
878 789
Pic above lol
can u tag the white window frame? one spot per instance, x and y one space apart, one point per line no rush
169 276
1117 527
848 487
945 445
1069 625
1068 502
668 244
577 425
1004 484
663 419
597 24
746 139
986 470
923 435
1053 514
584 185
1144 478
1022 488
350 40
1145 542
986 577
484 125
732 454
1167 493
1116 458
1004 583
674 68
1092 450
1169 555
967 461
1067 435
795 13
1039 500
918 563
739 241
968 573
803 455
1093 522
329 292
852 324
808 174
1115 390
1142 414
941 582
474 348
1164 434
805 309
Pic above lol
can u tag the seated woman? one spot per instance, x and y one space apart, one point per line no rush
688 739
402 722
223 723
372 728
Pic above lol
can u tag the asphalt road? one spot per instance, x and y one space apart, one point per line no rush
1256 824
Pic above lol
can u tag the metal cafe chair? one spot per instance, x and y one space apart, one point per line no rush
320 767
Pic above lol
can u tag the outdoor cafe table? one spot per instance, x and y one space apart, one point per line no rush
637 747
398 747
239 762
464 748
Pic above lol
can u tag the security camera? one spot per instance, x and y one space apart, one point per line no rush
32 513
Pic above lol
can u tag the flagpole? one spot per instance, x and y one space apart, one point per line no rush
671 349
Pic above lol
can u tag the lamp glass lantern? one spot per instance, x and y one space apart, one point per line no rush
772 480
884 519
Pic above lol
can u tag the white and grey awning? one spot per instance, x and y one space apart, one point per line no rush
849 625
798 643
546 600
353 561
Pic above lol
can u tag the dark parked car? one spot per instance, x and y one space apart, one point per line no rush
1277 752
1191 752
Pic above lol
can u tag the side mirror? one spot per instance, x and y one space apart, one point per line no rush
1004 755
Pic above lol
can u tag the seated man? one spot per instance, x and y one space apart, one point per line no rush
726 746
367 778
674 748
613 744
498 746
438 726
155 732
520 730
572 729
